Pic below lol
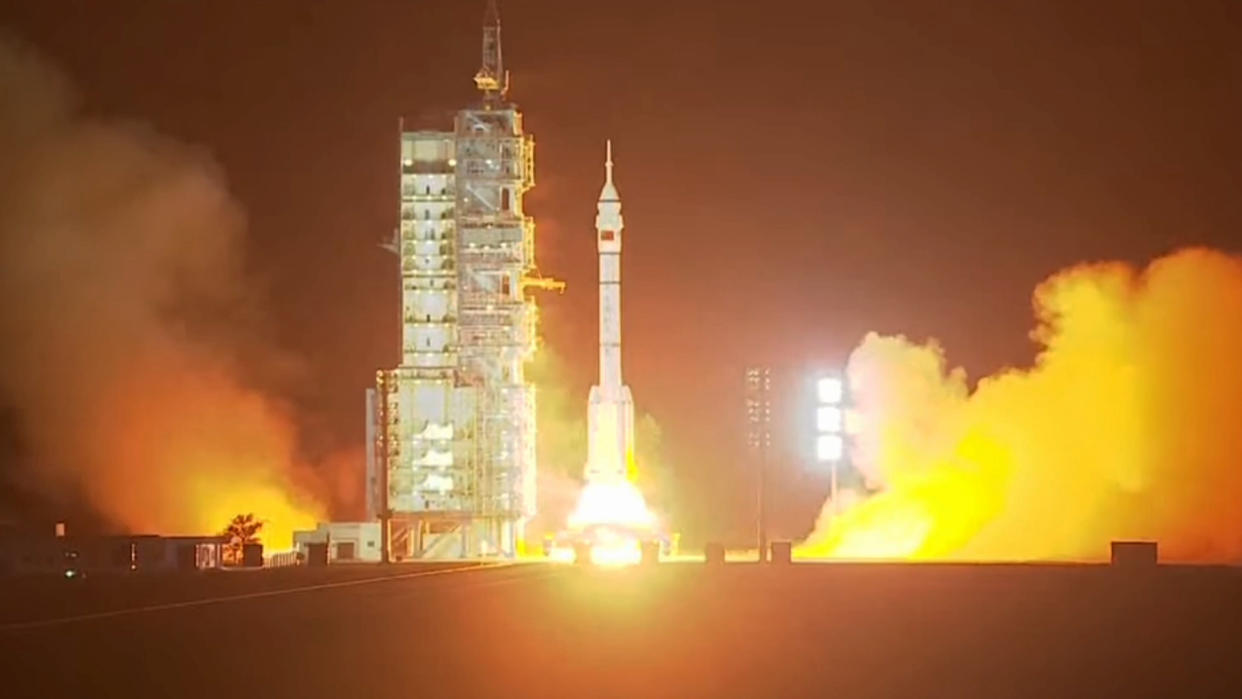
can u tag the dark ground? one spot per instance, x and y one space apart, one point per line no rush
679 630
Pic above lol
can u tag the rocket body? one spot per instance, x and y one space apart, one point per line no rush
610 406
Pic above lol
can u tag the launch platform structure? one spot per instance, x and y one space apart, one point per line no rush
451 462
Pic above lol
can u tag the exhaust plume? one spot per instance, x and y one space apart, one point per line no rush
126 320
562 445
1126 426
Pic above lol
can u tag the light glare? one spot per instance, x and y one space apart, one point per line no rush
829 447
828 418
830 390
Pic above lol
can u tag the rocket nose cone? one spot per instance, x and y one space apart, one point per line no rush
609 191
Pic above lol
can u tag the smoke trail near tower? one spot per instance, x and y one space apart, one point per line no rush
124 313
1129 424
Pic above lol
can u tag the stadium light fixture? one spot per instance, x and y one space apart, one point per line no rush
830 390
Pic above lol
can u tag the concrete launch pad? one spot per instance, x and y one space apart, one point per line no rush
672 630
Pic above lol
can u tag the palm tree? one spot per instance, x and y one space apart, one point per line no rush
244 529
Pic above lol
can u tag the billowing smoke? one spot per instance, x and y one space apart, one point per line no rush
125 319
1127 426
562 440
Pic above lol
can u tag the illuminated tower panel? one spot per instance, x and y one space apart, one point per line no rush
434 471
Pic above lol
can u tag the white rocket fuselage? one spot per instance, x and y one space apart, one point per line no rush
610 409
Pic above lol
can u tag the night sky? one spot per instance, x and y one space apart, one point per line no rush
794 174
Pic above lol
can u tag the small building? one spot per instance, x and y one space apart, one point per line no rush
27 553
346 541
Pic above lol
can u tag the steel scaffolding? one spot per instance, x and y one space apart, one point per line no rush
455 422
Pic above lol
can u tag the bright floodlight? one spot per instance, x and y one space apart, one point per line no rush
828 418
829 447
830 389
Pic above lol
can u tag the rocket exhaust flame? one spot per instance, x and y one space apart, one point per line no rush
618 503
1126 426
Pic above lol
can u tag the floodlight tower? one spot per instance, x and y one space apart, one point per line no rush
759 440
830 446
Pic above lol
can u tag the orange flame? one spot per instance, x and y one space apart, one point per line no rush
222 452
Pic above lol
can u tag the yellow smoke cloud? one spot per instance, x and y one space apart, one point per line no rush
1128 425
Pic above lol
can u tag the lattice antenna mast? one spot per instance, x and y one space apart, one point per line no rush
492 80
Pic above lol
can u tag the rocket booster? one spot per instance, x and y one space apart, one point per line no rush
610 409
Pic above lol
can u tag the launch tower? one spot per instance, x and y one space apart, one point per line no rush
451 449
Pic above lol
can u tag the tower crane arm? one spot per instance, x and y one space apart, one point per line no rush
543 284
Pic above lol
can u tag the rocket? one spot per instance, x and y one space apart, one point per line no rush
610 406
